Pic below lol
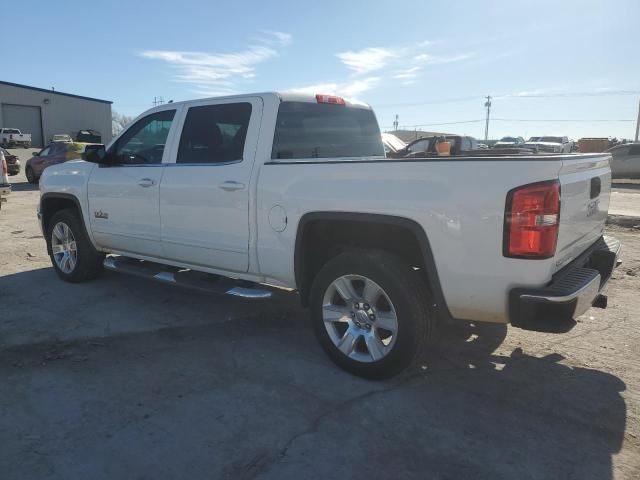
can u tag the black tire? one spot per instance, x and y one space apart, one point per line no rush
89 261
31 176
407 292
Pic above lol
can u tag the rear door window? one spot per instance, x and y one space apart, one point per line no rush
214 133
315 130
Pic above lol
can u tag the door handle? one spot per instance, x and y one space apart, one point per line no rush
146 182
231 185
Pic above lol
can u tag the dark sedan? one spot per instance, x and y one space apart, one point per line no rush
13 162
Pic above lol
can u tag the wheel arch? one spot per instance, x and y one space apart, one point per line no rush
53 202
411 235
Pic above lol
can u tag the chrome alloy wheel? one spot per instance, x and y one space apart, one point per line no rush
63 247
359 318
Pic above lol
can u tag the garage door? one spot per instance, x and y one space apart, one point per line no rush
26 118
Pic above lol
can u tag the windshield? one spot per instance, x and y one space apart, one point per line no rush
551 139
534 139
11 130
508 139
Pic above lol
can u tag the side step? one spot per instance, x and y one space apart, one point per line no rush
205 282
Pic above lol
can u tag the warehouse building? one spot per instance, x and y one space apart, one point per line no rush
44 113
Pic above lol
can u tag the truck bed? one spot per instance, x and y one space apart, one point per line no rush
460 203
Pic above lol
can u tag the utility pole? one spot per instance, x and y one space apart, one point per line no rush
395 123
486 126
638 122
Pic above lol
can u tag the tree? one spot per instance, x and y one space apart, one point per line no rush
118 122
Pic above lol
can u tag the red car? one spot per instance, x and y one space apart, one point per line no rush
55 153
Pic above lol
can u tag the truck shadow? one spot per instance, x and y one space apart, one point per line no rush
22 186
252 384
627 185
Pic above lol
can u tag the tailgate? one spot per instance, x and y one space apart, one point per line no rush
585 182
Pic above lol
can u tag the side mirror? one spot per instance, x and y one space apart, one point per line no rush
95 154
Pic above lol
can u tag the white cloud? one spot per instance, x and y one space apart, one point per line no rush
359 86
271 37
408 60
402 63
407 73
352 88
216 73
366 60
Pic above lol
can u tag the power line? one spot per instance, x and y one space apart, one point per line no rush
514 120
475 98
603 93
442 123
562 120
428 102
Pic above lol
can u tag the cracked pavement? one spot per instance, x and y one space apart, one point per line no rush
124 378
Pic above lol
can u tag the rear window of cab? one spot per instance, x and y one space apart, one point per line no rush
307 130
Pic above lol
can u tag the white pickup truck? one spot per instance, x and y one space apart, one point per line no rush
242 194
12 137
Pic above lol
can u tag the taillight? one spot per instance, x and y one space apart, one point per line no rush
531 221
332 99
4 166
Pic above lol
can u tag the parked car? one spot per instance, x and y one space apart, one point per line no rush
294 191
13 162
392 145
88 136
13 137
509 142
53 154
626 160
550 144
63 137
427 146
5 186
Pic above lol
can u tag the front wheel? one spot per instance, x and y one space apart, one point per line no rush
370 313
31 176
72 255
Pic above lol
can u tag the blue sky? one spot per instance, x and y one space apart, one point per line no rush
430 62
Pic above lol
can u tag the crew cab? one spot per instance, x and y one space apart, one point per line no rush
246 195
460 144
556 144
13 137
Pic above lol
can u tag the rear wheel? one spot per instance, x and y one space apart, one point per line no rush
370 313
72 255
31 176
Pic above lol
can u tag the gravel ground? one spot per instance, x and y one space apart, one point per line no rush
124 378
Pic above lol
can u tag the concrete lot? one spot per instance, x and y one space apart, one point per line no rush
124 378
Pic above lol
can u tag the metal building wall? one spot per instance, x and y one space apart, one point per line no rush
59 113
